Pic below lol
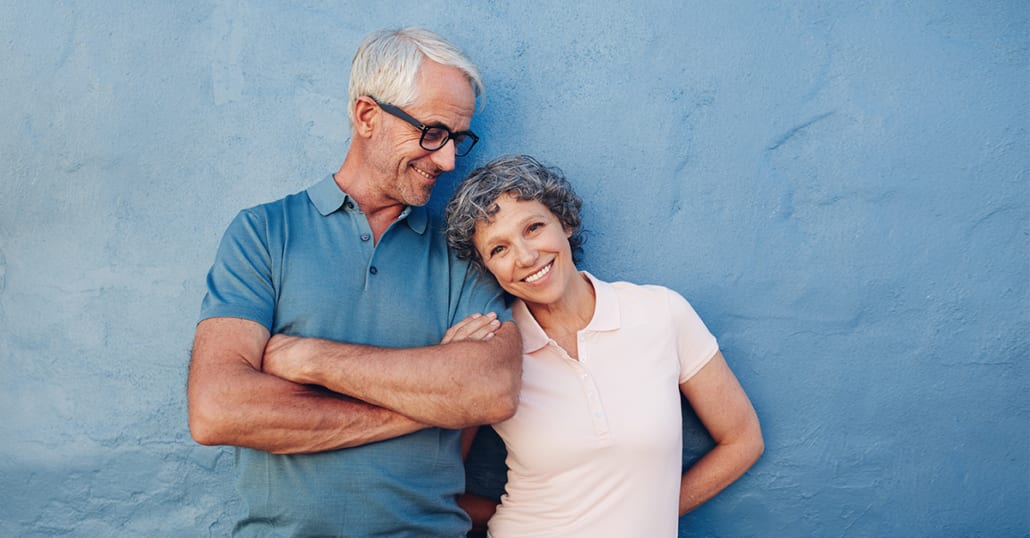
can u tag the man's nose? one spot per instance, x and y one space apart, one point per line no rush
443 158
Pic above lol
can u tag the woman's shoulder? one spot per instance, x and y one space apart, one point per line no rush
635 300
644 292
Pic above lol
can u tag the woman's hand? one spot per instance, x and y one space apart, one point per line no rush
479 327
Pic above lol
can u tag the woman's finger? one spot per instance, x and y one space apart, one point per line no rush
474 327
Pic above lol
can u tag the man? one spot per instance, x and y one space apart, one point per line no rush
346 418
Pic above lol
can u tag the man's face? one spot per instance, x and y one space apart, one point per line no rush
406 172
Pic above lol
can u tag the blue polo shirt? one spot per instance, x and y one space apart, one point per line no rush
306 265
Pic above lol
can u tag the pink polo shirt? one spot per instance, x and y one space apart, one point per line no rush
595 447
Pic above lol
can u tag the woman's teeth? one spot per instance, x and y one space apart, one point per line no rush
539 274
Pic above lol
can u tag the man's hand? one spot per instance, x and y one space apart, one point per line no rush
472 377
284 357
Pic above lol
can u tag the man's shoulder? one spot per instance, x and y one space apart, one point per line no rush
435 224
279 206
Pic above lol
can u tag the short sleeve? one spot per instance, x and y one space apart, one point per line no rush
240 282
479 294
695 344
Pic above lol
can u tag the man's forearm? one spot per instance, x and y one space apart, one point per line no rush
452 385
231 402
294 419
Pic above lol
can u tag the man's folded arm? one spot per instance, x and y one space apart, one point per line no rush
232 401
453 385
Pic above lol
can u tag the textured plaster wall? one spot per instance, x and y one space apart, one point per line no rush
840 188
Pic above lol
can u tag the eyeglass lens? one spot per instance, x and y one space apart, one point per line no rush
434 138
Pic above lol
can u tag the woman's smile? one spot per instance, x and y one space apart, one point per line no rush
539 274
527 249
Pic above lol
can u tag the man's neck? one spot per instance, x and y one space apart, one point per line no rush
378 210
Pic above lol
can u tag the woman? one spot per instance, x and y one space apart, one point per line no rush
595 446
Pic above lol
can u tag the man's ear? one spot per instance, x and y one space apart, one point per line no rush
366 114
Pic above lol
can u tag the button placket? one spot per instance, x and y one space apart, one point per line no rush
365 236
593 397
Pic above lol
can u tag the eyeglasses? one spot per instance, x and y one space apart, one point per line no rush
434 137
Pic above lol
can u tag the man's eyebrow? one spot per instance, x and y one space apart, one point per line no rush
439 123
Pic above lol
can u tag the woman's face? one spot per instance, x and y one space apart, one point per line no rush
527 250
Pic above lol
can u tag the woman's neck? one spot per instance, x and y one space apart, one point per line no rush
572 312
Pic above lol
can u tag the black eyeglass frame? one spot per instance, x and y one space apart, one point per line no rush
458 137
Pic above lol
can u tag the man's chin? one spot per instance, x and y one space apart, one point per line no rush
418 201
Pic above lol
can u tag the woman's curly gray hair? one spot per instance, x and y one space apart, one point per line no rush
475 201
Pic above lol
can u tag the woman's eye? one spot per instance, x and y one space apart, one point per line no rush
496 250
533 227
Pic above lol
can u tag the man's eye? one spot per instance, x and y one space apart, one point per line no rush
435 135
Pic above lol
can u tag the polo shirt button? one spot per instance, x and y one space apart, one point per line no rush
348 205
365 236
373 270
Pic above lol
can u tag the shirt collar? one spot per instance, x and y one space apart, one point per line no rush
606 306
533 337
417 218
327 198
606 316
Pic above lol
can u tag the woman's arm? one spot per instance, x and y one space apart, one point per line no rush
727 413
479 508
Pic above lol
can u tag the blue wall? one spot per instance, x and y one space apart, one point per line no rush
840 188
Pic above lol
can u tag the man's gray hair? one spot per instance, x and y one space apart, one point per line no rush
387 62
475 201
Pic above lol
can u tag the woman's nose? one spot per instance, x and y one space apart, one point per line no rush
525 254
